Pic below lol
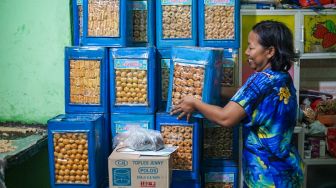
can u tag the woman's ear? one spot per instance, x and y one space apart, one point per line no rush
270 52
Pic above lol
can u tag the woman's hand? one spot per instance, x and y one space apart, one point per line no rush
185 108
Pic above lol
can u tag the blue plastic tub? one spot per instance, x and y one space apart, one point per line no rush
119 122
76 156
195 71
86 80
133 80
219 22
186 135
142 23
220 143
105 23
221 176
184 183
163 62
176 23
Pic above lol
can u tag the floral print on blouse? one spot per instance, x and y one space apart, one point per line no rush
269 158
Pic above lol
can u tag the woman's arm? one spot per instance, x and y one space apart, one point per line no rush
229 116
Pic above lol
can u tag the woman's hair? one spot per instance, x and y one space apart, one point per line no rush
276 34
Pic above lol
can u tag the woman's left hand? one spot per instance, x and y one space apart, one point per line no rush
185 108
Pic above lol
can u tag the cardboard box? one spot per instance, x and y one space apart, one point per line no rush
128 170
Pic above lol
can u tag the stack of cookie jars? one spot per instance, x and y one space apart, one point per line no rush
219 26
220 148
129 76
133 88
194 71
80 140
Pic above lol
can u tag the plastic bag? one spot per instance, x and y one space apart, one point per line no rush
316 128
309 115
139 139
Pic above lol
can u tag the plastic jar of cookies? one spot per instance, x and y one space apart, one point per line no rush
105 23
195 72
229 67
219 22
176 23
165 69
86 79
186 135
73 143
133 80
139 20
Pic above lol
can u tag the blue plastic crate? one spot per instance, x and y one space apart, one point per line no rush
183 183
186 135
219 143
230 66
219 22
76 158
86 80
142 23
176 23
120 121
105 23
195 71
163 62
133 86
77 21
221 176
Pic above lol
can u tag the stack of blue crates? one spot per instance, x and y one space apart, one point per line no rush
126 68
220 155
87 116
220 148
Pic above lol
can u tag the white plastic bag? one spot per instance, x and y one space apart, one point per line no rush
139 139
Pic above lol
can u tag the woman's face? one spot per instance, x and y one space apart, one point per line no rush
257 56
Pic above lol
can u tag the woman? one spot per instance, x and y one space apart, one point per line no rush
266 105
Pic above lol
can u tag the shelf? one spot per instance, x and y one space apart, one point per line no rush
320 161
318 56
298 129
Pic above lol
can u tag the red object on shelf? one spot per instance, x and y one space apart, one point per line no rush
331 140
308 3
315 103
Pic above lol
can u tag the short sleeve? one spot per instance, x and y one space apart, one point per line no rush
252 93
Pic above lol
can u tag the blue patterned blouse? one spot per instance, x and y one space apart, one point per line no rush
269 158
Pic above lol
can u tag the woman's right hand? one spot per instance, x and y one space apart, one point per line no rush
186 107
